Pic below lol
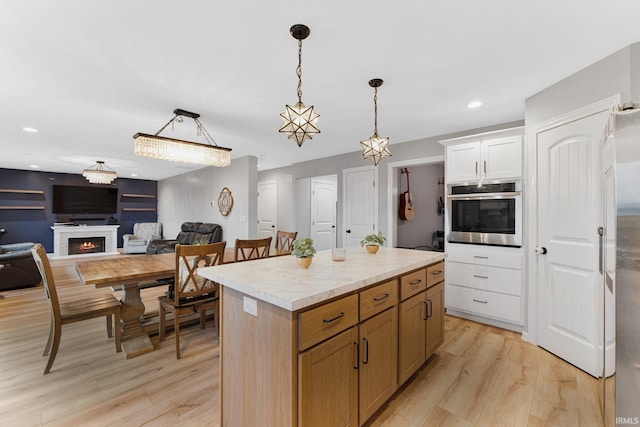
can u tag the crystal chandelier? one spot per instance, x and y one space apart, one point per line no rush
300 122
376 147
99 173
177 150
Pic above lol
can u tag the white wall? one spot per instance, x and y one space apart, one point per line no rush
425 192
188 197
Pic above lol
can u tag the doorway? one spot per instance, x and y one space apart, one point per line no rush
316 209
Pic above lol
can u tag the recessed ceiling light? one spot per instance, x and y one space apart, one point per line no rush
134 174
28 129
474 104
34 166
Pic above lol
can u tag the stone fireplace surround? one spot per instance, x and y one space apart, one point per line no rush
62 233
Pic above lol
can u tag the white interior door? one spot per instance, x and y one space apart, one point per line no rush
323 214
267 209
360 204
569 198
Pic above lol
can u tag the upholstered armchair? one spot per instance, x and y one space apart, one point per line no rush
143 233
17 267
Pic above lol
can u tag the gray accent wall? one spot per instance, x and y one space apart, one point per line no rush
193 197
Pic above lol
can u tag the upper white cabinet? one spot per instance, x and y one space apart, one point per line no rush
490 156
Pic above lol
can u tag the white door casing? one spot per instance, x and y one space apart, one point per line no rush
267 209
568 198
360 201
323 213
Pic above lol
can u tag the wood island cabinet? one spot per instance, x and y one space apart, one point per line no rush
336 360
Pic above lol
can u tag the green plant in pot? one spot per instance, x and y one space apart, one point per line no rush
373 242
304 251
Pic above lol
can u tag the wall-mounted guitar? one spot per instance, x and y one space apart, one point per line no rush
406 212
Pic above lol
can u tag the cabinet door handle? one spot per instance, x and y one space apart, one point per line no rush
357 365
415 282
430 308
383 297
480 277
366 351
426 311
485 166
437 272
481 257
480 301
335 318
476 168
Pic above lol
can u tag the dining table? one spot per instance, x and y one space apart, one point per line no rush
131 272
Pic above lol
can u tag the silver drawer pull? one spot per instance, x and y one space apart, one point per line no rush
415 282
385 296
480 277
435 273
482 257
476 300
335 318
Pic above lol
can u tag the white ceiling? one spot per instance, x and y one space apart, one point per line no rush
90 74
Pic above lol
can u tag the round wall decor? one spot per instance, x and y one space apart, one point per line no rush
225 201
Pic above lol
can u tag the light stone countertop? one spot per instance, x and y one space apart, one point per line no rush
281 282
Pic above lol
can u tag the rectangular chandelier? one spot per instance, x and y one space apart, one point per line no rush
178 150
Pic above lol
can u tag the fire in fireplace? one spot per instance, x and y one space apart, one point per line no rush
85 245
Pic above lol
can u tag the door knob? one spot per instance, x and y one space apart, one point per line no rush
273 226
541 250
348 231
333 226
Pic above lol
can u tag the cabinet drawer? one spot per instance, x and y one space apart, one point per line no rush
412 283
496 257
327 320
435 274
484 303
503 280
379 298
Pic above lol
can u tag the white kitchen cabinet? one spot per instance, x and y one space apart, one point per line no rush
484 157
484 283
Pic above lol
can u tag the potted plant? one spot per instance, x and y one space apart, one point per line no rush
373 242
304 251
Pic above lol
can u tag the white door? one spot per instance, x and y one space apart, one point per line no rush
323 214
267 209
569 196
360 204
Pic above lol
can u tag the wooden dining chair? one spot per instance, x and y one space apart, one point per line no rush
284 240
72 311
252 249
192 293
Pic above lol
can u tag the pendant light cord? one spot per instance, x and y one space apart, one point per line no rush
299 71
375 110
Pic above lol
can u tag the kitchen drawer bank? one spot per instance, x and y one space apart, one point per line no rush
317 346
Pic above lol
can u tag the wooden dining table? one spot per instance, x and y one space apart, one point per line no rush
130 272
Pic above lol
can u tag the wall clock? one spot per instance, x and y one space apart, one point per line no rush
225 201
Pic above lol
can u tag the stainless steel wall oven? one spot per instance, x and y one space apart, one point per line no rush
485 214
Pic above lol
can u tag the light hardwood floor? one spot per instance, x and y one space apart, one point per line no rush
480 376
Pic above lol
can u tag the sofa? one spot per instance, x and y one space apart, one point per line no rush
143 233
191 233
17 267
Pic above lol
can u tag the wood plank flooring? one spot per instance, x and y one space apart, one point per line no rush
480 376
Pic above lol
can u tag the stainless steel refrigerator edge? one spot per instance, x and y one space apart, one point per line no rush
620 265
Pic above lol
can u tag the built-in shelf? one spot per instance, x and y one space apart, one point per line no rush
138 209
22 207
10 190
144 196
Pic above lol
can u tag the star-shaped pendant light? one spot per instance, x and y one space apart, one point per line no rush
300 122
376 147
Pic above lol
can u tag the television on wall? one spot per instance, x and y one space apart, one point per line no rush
72 199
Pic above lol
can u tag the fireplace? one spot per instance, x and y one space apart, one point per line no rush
85 245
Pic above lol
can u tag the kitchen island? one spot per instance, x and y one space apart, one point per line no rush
327 345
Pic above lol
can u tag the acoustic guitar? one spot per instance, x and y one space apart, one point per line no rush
406 212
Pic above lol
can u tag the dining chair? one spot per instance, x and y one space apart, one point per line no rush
246 250
284 239
191 293
72 311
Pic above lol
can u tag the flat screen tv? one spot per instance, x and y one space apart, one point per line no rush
72 199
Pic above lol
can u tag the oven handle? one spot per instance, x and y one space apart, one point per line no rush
484 195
